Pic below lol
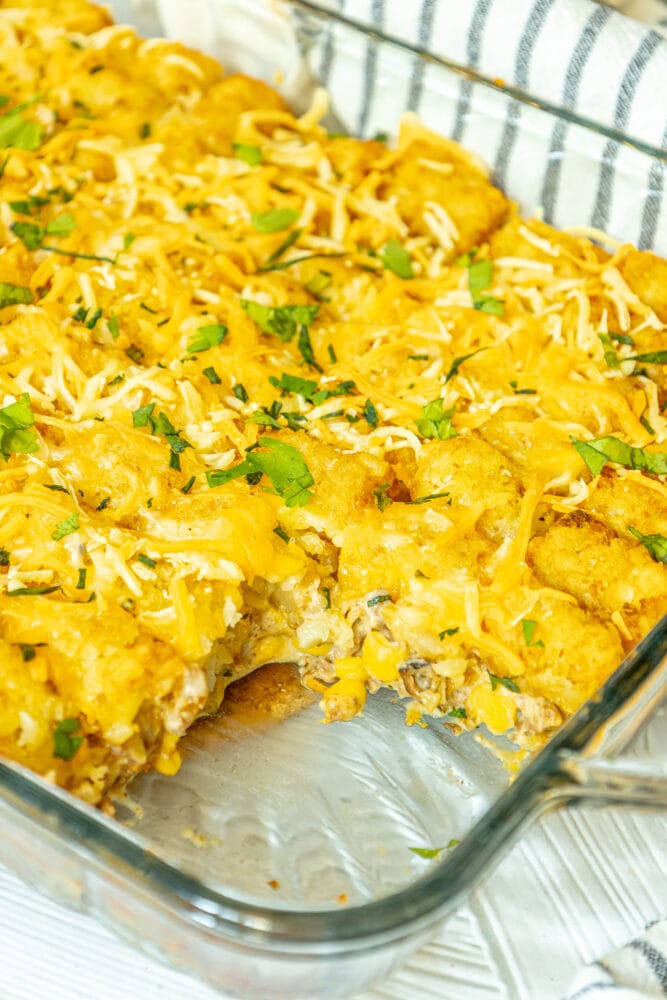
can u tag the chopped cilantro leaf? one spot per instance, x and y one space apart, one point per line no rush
281 463
433 852
252 155
114 328
306 348
212 375
145 130
651 358
188 486
14 295
141 416
370 414
458 713
284 247
280 320
66 527
480 273
263 418
62 226
281 533
610 356
146 560
81 582
326 593
18 133
318 284
31 234
135 354
32 591
92 322
418 357
27 651
466 259
622 338
65 744
598 451
56 487
210 335
274 220
529 627
240 392
128 240
436 422
16 434
427 499
332 354
4 557
396 258
646 425
457 362
507 682
447 631
655 545
308 389
379 599
382 501
103 504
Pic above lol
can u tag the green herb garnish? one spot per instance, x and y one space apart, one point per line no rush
458 713
65 744
396 258
18 133
66 527
507 682
280 320
240 392
81 582
380 497
656 545
598 451
14 295
212 375
274 220
206 337
650 358
436 422
433 852
427 499
32 591
380 599
16 434
281 463
529 627
281 533
252 155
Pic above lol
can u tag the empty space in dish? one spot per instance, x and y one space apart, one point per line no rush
272 805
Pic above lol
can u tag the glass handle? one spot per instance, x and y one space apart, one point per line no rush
613 782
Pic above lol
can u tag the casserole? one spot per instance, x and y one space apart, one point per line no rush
307 932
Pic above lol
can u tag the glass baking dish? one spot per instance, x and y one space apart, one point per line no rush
277 863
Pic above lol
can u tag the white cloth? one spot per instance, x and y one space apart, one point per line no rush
637 970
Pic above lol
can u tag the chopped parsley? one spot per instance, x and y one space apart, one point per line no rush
656 545
435 421
161 425
281 463
457 362
480 275
16 132
65 744
33 234
308 389
274 220
370 414
611 358
280 320
396 258
318 284
427 499
379 599
16 434
32 591
380 497
252 155
507 682
529 627
66 527
433 852
597 452
14 295
207 336
651 358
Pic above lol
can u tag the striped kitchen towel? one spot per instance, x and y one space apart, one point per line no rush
636 972
583 58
